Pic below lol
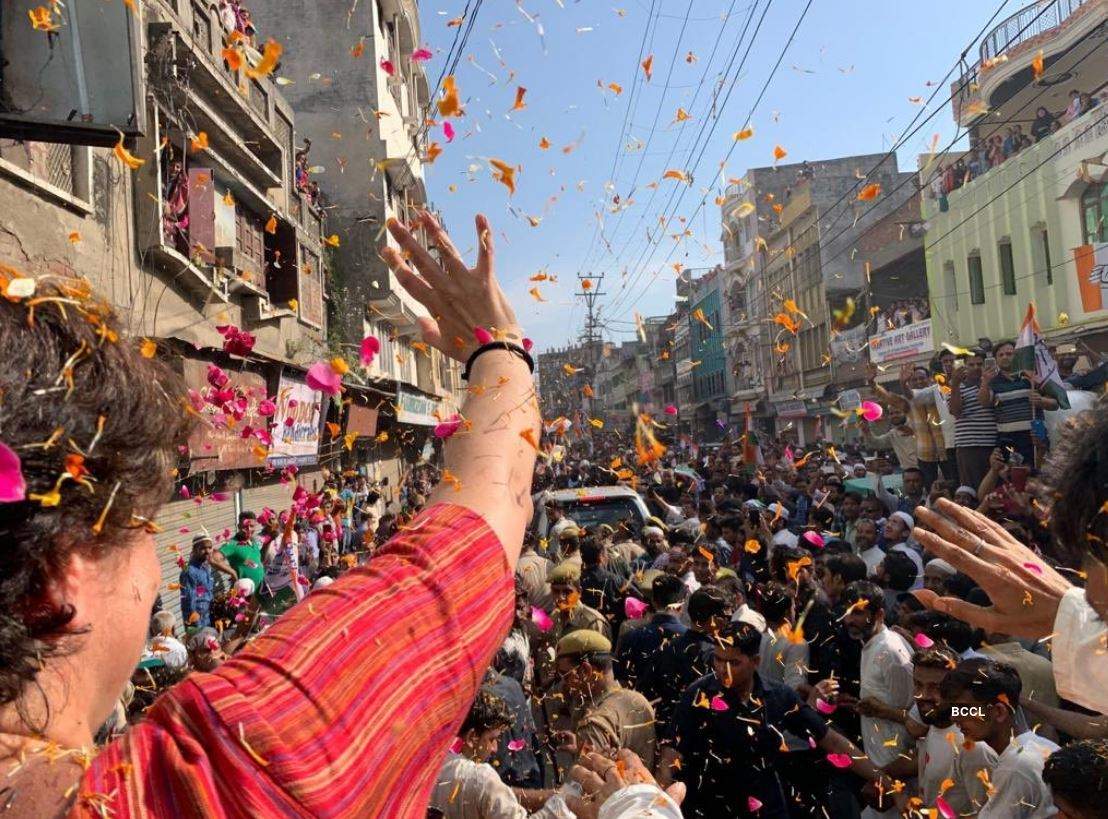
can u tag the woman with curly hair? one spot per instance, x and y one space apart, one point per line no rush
346 706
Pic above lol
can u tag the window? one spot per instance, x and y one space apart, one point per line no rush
57 168
1094 208
1007 267
976 280
1040 248
950 284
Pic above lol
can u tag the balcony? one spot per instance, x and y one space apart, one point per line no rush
1002 84
1027 24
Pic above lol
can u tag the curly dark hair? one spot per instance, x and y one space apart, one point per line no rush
1079 774
95 424
1074 486
487 712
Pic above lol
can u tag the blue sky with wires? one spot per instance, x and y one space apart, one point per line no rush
845 86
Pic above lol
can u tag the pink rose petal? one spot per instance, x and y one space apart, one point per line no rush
528 344
541 619
671 410
825 707
753 805
371 345
923 641
944 809
719 704
815 538
322 377
266 408
184 492
13 487
1035 567
219 497
634 608
387 67
517 745
840 760
482 335
448 427
421 55
448 130
871 410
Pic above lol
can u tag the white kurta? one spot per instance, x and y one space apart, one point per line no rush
1018 788
887 677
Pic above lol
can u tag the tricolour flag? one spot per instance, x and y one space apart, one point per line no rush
1032 355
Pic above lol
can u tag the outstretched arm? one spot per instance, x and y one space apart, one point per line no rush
492 461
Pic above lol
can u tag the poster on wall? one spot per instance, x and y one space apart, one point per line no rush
1092 276
213 445
296 430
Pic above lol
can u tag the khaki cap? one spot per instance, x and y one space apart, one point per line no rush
584 641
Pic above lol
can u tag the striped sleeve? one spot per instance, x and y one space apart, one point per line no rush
345 707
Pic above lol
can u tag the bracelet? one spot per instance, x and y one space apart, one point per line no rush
514 349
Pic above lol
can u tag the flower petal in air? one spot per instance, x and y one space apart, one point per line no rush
541 619
840 760
322 376
517 745
634 608
371 345
719 704
923 641
482 335
825 707
421 55
448 427
753 805
13 488
871 410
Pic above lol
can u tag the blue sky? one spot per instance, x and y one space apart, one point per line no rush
843 88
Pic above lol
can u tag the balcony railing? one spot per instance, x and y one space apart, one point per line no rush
1026 24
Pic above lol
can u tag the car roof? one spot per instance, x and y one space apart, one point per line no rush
569 495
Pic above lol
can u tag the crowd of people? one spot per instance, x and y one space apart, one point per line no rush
755 631
995 149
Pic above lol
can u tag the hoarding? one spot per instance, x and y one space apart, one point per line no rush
296 430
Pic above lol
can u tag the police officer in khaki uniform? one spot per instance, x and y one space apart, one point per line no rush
604 715
570 614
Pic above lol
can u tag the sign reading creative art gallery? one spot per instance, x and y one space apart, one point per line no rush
296 424
415 408
903 342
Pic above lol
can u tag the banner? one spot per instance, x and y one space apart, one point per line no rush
415 408
213 445
296 424
1092 276
903 342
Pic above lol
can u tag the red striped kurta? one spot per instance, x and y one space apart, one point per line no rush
345 707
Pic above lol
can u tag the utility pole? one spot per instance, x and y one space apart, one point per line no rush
590 337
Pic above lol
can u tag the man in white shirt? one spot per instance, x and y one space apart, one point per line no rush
557 520
983 696
886 678
897 529
865 544
164 643
940 745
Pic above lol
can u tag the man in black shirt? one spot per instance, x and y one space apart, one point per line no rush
686 658
638 650
729 728
601 589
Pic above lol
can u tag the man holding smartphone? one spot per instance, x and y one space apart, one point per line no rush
974 422
1015 399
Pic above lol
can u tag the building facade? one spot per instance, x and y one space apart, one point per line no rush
364 115
1029 228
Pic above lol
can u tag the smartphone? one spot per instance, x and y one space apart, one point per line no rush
1018 476
990 365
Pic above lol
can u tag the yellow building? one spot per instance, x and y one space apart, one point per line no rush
1029 228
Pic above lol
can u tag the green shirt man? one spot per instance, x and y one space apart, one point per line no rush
244 551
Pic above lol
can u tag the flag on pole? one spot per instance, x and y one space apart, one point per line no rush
1032 355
